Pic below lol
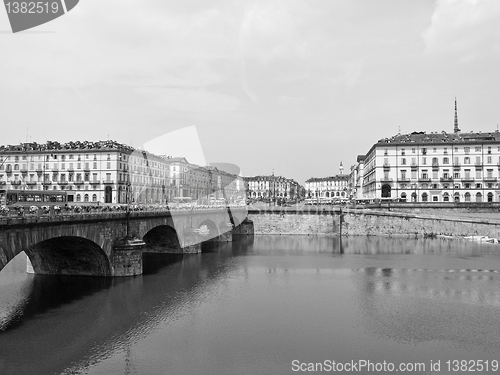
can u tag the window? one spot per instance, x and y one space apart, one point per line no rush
466 150
403 175
489 150
86 198
478 149
95 165
424 161
446 197
424 197
385 152
424 151
446 161
478 174
413 150
94 197
403 161
488 160
478 186
467 197
402 151
435 198
456 175
445 150
108 165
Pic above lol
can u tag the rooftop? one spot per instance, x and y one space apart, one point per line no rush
443 137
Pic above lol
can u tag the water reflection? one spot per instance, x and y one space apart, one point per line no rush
253 306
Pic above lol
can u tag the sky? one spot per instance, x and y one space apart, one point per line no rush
294 87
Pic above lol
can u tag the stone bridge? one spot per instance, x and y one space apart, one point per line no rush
112 243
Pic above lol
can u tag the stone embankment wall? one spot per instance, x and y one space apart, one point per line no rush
369 222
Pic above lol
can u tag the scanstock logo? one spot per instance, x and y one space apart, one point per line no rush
25 15
212 194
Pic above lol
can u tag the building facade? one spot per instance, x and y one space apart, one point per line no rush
108 172
435 167
272 188
328 189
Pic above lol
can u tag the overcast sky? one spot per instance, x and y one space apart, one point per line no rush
294 86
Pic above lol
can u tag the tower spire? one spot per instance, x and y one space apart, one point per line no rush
341 168
456 129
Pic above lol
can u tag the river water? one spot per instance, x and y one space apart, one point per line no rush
263 305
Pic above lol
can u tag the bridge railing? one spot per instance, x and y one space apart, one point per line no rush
70 210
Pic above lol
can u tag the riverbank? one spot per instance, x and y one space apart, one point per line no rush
366 222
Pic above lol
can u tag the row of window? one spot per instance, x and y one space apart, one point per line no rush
478 197
446 174
435 161
424 150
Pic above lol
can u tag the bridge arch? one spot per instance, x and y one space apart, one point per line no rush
162 238
213 231
69 255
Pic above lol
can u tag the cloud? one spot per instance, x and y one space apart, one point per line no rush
187 100
465 27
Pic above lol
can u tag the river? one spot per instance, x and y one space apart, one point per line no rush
263 305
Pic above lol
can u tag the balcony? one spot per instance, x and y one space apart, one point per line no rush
108 182
467 179
78 182
386 179
2 182
490 179
435 165
31 183
94 182
424 179
63 182
478 164
46 183
446 179
16 182
403 179
24 170
456 165
386 166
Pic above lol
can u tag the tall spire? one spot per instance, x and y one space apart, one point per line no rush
341 168
456 128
